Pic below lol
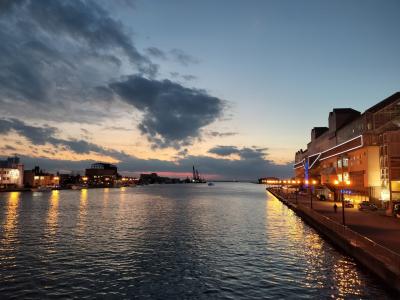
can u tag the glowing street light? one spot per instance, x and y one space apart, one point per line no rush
342 184
312 183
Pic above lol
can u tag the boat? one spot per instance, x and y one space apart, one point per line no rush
76 187
210 184
41 189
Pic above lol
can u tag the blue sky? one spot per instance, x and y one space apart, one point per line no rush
278 68
283 64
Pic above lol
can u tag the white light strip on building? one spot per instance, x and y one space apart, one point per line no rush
351 149
319 154
302 161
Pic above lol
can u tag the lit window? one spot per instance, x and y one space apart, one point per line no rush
339 163
345 162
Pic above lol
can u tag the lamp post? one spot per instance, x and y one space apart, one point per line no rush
340 185
311 184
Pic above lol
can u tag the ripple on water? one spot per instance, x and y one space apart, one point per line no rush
232 241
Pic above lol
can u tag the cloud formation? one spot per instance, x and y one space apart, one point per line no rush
183 58
42 135
173 114
68 55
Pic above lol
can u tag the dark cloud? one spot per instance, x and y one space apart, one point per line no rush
183 58
173 114
156 53
89 23
36 135
245 153
189 77
119 128
224 150
57 59
56 54
221 134
42 135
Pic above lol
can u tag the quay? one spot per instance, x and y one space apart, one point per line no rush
368 239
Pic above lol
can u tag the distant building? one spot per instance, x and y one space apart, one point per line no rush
11 173
359 149
154 178
101 174
37 177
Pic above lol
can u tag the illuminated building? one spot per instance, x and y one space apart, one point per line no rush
11 173
363 148
101 174
36 177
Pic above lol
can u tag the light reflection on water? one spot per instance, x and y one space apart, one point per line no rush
11 217
169 241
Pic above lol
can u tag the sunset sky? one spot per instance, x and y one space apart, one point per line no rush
233 87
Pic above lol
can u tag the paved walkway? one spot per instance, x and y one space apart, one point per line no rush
375 225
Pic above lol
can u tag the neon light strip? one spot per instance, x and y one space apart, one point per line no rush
319 154
294 166
348 150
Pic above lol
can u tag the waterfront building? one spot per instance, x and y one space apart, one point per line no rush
38 178
154 178
362 149
11 173
101 174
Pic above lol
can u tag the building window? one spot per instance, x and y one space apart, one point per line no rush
345 162
346 176
339 163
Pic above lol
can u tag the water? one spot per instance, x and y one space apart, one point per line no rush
230 241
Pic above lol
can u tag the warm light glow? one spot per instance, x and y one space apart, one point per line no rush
298 181
385 195
336 182
314 182
36 178
84 178
348 182
14 174
56 178
306 182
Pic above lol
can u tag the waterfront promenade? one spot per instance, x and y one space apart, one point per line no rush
365 237
375 225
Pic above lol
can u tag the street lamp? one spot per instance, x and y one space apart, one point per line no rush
340 185
311 184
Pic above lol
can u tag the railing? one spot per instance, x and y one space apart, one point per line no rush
390 258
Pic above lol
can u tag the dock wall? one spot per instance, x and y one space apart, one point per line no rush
381 261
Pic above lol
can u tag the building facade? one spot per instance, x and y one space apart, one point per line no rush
11 173
38 178
360 148
101 174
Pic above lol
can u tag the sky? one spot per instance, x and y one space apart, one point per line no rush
232 87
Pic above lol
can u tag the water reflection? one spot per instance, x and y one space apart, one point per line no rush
169 242
82 212
346 278
11 220
52 215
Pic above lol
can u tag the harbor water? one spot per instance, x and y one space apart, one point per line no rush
230 241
